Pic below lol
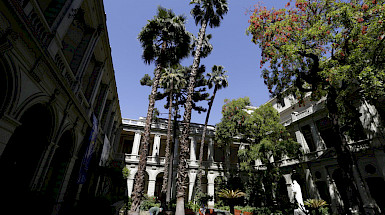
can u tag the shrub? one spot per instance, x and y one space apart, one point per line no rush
193 206
148 202
316 206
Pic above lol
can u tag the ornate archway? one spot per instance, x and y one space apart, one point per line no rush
23 154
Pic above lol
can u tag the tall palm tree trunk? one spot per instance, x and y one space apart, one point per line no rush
139 178
199 180
184 149
167 161
171 183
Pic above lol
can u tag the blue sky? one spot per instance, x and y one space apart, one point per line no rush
232 49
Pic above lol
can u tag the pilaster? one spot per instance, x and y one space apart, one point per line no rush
156 146
210 153
193 147
136 144
44 166
192 177
67 178
317 137
301 140
7 128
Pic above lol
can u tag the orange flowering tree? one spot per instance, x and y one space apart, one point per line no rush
328 48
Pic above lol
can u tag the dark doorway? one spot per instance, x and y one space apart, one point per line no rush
158 185
58 168
377 189
21 157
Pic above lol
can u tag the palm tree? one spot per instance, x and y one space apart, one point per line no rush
230 196
205 12
165 41
218 79
171 81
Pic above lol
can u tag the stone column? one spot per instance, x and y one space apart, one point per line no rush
301 140
317 137
211 150
313 191
67 178
151 183
334 194
130 186
156 146
7 127
130 181
193 146
289 187
211 188
136 144
192 177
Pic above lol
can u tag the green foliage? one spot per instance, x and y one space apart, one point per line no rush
316 206
164 39
127 204
245 208
148 202
231 194
233 120
126 172
193 206
220 204
322 45
203 198
271 211
268 141
315 203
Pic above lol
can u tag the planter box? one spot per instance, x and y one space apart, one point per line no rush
237 212
189 211
247 213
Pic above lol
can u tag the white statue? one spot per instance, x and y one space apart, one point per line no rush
296 188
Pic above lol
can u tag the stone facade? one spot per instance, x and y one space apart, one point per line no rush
57 88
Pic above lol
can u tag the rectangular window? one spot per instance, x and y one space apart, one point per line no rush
306 131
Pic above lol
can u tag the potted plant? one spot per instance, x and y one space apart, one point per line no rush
237 210
230 196
247 210
316 207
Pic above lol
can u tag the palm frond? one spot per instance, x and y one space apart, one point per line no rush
315 203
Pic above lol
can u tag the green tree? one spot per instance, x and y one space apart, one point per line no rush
165 41
218 80
270 143
268 140
172 81
175 94
327 48
205 12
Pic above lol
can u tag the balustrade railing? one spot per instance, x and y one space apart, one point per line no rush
34 19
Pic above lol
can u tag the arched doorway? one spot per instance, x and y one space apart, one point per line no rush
282 195
22 155
58 168
158 185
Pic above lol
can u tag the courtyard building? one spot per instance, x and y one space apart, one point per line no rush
59 108
317 171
